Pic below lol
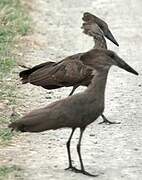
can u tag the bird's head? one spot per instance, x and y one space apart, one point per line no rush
88 17
91 29
102 60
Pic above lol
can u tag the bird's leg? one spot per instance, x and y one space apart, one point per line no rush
73 89
80 158
68 150
106 121
78 149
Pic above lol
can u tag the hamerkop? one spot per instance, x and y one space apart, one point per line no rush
79 110
51 75
88 17
99 43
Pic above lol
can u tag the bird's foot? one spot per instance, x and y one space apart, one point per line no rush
74 169
71 168
106 121
85 172
109 122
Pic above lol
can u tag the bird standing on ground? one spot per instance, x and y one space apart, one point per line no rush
76 111
99 43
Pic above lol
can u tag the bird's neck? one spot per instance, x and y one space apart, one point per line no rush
98 84
100 42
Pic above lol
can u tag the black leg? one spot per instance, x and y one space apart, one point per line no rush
68 150
78 149
80 158
74 88
106 121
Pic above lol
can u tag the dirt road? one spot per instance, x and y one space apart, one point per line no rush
114 152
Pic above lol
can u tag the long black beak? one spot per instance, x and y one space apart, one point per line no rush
109 35
122 64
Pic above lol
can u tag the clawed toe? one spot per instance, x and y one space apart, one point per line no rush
89 174
106 121
109 122
68 168
71 168
74 169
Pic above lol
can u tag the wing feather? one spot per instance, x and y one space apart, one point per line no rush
65 73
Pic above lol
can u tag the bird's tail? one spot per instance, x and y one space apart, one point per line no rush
25 126
24 75
17 127
35 121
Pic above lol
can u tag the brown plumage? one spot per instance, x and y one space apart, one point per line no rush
64 113
88 17
43 74
67 72
76 111
50 75
94 31
71 72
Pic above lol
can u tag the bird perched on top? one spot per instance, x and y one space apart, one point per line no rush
79 110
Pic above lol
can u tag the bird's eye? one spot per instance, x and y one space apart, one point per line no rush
112 56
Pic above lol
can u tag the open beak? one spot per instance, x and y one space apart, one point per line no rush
109 35
122 64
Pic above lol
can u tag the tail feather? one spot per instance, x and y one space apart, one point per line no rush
35 121
24 75
17 127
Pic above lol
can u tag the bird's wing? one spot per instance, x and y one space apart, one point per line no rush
66 73
31 70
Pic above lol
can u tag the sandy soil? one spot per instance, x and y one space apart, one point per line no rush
114 152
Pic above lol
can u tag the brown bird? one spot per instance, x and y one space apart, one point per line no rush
88 17
99 43
51 75
79 110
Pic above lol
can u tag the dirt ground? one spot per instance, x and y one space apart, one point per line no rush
114 152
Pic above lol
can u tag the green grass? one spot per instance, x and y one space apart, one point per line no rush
9 172
14 23
8 93
5 133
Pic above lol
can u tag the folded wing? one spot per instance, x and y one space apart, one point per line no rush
65 73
